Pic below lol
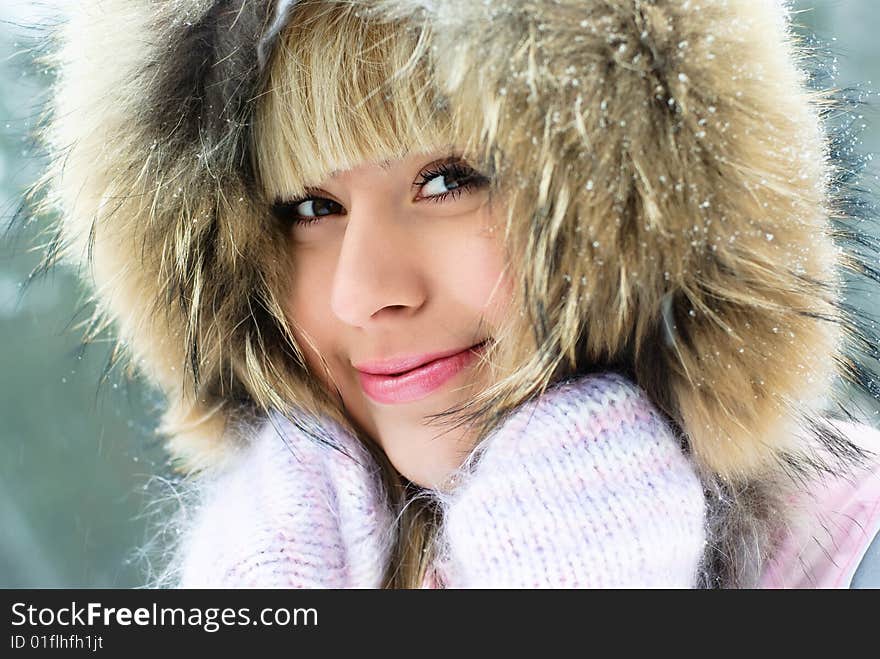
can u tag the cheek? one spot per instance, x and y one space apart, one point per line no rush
476 275
308 307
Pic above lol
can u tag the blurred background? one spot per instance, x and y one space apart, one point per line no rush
77 454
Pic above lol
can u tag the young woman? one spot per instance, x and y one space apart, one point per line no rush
479 294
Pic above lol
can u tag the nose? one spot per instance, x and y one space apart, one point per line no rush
377 273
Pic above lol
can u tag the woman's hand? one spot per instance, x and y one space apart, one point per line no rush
585 487
289 512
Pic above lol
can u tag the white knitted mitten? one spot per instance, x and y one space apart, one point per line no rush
289 512
585 486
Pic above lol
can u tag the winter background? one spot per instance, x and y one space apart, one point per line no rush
76 454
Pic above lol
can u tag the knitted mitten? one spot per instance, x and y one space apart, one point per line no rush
585 486
289 512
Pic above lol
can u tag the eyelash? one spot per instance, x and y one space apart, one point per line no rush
470 177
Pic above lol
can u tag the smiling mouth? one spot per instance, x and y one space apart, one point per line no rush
420 381
475 347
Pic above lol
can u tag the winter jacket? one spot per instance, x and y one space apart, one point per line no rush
685 211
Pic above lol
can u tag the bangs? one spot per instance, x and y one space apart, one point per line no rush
342 89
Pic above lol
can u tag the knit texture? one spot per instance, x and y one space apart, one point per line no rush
584 487
289 512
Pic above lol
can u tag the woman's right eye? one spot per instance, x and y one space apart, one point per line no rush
305 211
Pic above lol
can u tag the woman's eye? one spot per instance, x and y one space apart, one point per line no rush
440 184
305 211
452 178
316 207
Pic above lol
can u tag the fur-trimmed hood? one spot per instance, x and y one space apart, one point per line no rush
685 210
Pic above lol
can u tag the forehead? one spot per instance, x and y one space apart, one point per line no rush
386 165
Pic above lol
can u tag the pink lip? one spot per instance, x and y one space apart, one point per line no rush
430 373
400 365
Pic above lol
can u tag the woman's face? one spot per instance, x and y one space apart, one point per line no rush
397 265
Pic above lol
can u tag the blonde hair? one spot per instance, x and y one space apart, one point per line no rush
341 89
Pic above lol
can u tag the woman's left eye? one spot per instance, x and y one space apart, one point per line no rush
440 181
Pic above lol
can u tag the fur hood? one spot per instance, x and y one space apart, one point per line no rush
683 207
